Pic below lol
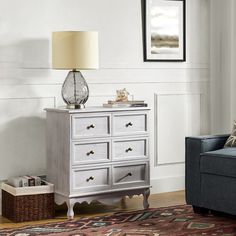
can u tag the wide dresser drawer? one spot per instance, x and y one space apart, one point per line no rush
132 123
91 152
93 125
128 149
91 179
130 175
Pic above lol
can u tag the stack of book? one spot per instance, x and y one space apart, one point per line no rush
133 103
24 181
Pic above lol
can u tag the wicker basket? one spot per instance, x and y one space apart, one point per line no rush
27 203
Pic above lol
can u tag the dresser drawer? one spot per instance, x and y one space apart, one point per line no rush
135 174
129 123
91 126
130 148
91 179
91 151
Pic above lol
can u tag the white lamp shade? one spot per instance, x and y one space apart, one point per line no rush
75 50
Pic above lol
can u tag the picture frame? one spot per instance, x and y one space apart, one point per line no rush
164 30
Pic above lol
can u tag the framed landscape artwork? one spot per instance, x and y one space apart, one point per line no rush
164 30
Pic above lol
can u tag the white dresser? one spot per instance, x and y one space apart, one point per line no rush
98 154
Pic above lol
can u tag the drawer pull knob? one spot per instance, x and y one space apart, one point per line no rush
90 178
129 124
125 176
91 126
129 149
90 153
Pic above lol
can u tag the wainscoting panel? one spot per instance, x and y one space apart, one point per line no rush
175 114
22 135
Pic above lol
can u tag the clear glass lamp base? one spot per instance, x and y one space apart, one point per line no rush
75 91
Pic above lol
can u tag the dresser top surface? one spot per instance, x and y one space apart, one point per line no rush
96 109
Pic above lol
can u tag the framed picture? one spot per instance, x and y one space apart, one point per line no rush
164 30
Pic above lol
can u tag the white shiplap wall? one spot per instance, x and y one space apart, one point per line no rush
176 92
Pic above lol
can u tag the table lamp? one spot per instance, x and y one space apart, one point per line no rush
74 51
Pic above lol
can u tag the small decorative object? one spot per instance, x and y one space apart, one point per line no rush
122 95
164 30
75 50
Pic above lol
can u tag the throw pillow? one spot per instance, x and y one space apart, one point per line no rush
231 141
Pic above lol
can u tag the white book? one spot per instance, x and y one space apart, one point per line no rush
120 105
116 105
24 182
15 181
126 102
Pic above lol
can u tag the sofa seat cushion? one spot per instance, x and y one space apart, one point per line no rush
219 162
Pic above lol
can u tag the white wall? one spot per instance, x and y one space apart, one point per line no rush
223 65
176 92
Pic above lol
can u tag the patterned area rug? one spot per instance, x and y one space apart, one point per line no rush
178 221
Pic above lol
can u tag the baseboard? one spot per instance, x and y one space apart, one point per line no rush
168 184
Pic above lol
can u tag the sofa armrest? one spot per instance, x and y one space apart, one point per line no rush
194 146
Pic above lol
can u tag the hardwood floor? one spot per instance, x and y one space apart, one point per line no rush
82 210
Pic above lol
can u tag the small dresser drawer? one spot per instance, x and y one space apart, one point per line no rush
135 174
89 152
130 148
91 126
129 123
90 179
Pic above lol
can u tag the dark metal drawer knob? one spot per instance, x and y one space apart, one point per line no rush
129 150
129 124
91 126
125 176
90 178
90 153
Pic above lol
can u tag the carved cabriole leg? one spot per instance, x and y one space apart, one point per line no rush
146 194
70 205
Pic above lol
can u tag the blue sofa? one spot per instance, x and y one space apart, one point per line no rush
210 174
